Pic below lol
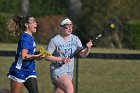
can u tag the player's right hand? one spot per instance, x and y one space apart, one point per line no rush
65 60
39 56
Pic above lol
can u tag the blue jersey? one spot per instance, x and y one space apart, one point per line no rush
26 41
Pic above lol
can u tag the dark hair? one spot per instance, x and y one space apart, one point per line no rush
16 25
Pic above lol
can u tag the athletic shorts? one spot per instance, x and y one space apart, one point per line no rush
56 71
21 75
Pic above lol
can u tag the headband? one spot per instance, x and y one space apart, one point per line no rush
65 21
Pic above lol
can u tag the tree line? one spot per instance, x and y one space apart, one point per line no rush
89 17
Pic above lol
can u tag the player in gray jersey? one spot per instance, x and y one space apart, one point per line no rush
63 45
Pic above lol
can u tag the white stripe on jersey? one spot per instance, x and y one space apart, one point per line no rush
19 62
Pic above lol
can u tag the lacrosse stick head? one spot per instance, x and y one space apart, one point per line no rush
113 25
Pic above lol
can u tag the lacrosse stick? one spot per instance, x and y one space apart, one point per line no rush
114 25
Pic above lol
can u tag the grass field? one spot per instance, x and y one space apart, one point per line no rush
95 75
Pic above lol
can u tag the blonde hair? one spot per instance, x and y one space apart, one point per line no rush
16 25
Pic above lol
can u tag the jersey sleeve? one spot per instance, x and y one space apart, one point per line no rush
25 44
51 46
79 44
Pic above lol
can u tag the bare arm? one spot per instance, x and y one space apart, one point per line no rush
26 56
57 59
86 51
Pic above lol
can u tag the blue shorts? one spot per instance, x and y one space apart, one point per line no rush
56 71
21 75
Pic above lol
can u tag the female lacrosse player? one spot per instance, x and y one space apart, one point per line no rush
22 72
63 45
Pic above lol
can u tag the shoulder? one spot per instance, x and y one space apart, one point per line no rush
74 37
26 37
56 37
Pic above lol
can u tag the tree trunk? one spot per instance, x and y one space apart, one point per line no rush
116 40
74 7
24 7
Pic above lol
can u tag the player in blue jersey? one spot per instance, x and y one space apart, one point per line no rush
63 45
22 72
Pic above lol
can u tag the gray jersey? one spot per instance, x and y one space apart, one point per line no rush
64 48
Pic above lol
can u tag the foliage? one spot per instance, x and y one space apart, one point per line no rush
48 26
48 7
37 7
89 24
4 35
9 6
132 34
96 12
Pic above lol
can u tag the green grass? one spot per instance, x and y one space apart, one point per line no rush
95 75
109 76
42 68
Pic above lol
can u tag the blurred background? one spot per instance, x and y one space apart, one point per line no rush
89 18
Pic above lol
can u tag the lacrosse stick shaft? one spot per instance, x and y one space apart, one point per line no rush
78 51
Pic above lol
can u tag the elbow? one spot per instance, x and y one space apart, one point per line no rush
24 57
83 55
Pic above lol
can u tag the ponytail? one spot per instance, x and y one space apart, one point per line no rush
16 25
